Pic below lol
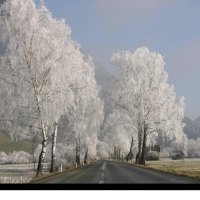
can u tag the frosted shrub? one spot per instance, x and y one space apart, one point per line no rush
20 157
152 155
3 157
194 148
166 153
15 157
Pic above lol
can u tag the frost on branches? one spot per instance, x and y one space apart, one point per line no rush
48 88
44 76
145 102
86 114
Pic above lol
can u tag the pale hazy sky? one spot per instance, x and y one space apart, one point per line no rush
170 27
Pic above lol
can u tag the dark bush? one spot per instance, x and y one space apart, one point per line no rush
152 155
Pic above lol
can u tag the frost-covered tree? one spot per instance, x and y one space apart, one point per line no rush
116 136
34 68
94 112
86 114
144 98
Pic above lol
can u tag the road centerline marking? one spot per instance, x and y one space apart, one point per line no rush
102 174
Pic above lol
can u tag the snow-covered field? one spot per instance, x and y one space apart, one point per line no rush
18 173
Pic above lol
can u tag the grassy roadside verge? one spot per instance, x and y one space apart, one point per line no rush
187 168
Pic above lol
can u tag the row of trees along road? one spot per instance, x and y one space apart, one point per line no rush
47 84
145 107
45 76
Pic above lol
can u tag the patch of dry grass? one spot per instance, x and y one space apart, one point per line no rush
18 173
186 167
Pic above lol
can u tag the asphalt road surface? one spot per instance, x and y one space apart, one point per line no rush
113 172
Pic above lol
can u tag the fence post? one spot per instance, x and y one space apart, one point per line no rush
61 167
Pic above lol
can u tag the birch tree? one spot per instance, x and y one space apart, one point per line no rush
144 98
94 114
116 134
86 114
34 67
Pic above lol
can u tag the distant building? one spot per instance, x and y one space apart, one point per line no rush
177 155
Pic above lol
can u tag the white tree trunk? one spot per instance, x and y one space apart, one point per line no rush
43 151
53 150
